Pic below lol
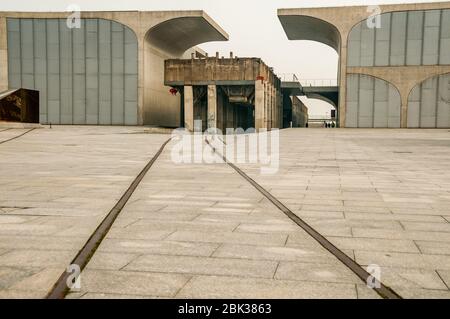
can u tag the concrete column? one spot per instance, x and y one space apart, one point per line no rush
220 112
259 105
342 79
212 107
3 55
230 115
274 123
266 106
404 110
189 108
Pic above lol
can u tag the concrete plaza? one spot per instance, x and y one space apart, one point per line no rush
202 231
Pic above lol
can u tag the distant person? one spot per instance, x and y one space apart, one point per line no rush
306 125
333 125
325 124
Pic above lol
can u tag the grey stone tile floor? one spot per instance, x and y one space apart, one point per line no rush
202 231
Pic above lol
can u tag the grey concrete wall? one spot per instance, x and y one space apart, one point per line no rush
299 112
86 75
404 38
160 107
372 102
3 55
429 103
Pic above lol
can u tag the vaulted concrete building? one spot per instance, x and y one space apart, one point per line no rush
394 64
107 68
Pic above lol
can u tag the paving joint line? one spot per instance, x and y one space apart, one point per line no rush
18 136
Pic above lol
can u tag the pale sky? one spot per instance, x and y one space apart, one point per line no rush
253 26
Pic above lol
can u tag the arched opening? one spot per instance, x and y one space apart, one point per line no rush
429 103
307 28
372 103
167 40
320 110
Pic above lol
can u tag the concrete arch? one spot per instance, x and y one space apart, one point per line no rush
372 102
323 98
429 103
177 35
167 40
304 27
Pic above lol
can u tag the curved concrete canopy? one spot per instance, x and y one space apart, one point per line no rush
301 27
324 98
176 36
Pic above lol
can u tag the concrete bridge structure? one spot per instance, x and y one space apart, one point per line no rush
394 68
226 93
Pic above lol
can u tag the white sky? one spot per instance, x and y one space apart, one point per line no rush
253 26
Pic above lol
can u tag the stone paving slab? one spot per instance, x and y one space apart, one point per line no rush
231 287
133 283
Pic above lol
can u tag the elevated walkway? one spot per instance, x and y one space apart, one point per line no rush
325 90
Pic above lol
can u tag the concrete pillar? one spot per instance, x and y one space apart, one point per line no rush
3 55
212 107
230 115
189 108
259 105
266 106
274 108
342 79
220 113
404 110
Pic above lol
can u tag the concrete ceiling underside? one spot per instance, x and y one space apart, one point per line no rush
300 27
177 35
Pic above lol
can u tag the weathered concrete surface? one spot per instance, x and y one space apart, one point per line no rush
246 84
381 195
332 26
56 186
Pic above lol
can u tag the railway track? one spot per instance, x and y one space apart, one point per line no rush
60 288
15 137
381 289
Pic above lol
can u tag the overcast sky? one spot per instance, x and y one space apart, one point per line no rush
253 26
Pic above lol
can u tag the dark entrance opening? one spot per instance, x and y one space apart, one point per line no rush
20 105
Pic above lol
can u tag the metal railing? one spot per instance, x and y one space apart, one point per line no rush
292 77
319 82
289 77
